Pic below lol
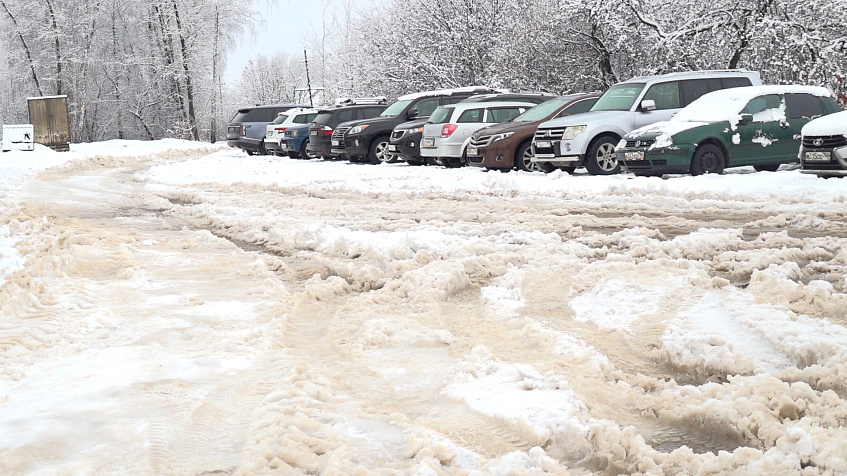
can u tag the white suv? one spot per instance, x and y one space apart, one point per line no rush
590 138
276 129
447 133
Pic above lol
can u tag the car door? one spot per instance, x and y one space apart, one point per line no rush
468 122
801 108
765 139
667 98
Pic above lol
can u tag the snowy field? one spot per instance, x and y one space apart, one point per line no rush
180 308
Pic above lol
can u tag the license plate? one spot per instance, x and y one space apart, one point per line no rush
543 144
336 143
429 142
818 156
313 133
473 151
392 148
637 155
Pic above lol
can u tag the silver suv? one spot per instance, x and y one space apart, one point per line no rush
590 138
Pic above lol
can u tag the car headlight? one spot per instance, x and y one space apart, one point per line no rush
357 129
621 144
414 130
502 136
295 133
572 131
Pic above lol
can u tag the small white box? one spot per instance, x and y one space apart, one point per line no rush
18 137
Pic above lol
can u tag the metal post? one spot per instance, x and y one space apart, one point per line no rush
308 81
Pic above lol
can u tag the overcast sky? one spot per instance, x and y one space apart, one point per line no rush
286 23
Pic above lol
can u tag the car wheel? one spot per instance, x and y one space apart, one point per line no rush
303 154
601 159
379 153
766 168
708 159
523 160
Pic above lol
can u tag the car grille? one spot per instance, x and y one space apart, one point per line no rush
338 134
397 134
550 134
481 141
826 142
630 144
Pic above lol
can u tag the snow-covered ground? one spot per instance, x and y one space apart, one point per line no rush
180 308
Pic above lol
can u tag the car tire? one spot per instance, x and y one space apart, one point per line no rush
600 159
708 159
415 162
378 151
303 154
523 160
766 168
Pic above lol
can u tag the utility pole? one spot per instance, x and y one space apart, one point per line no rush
308 81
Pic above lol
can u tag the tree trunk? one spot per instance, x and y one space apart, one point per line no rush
56 47
25 46
186 70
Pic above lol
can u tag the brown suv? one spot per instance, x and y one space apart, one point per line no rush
507 145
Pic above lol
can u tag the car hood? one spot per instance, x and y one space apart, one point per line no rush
510 126
412 124
584 118
373 120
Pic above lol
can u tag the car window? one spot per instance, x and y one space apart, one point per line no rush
450 100
426 106
666 95
736 82
693 89
345 115
280 119
578 107
263 114
304 118
804 105
471 115
764 108
323 118
619 97
503 114
371 112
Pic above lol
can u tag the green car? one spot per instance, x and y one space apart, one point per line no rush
754 125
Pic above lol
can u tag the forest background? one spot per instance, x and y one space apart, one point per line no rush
148 69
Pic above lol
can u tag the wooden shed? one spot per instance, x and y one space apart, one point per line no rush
49 118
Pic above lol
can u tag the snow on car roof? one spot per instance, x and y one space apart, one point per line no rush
726 104
829 125
450 92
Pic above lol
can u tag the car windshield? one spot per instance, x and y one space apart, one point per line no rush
441 115
619 97
395 108
542 110
280 119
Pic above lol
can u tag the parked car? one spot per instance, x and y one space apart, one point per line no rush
247 129
323 127
368 140
295 140
508 145
758 126
589 139
276 129
824 146
406 137
447 133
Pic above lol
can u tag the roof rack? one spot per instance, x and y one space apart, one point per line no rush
379 100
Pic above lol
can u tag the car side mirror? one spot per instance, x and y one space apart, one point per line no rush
413 113
746 119
648 105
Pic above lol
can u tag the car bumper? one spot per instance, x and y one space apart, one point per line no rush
566 153
355 146
408 147
272 147
443 149
834 166
319 148
497 155
643 161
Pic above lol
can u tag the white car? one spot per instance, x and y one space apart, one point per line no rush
447 133
276 129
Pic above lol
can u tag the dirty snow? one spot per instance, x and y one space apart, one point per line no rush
180 308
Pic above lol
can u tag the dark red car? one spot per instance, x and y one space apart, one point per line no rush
507 145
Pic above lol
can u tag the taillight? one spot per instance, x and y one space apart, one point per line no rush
447 130
326 131
243 130
280 129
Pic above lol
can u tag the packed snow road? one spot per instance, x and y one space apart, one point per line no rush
193 310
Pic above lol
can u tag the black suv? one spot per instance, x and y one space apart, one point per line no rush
247 129
406 138
321 131
368 141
